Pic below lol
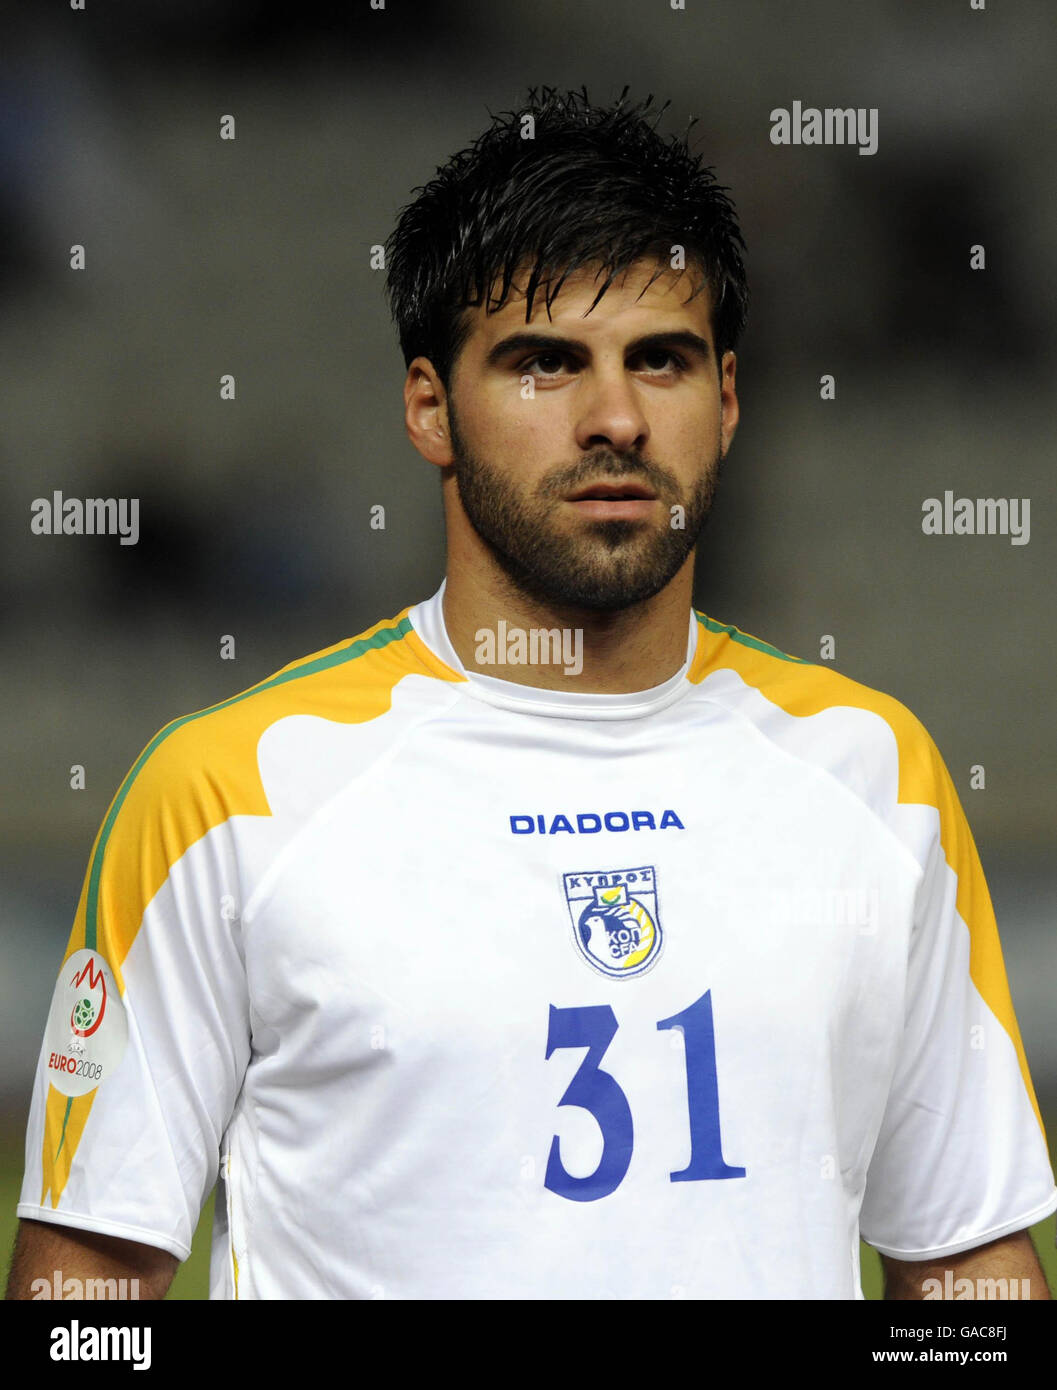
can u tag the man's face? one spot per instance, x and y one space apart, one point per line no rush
547 416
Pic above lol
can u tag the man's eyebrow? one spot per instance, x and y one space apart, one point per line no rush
548 342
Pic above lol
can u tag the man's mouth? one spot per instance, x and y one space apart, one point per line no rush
613 501
611 492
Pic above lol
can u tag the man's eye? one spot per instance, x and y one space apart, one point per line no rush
657 357
546 360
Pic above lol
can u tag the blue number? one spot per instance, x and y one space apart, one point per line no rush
595 1091
706 1148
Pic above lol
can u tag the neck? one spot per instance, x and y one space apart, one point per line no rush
613 653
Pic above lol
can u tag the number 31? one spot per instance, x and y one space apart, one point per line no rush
596 1091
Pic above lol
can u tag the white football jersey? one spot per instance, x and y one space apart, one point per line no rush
469 989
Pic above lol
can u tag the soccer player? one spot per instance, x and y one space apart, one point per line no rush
550 938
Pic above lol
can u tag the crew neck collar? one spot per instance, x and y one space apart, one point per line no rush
427 619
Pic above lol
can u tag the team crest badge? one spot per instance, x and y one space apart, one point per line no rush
614 919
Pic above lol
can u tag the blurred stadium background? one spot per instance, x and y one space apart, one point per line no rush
252 257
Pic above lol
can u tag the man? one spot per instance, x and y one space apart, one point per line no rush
549 939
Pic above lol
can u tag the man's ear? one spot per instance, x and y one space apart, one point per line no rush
426 413
728 401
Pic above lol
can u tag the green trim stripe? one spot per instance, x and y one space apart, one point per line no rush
65 1118
746 641
382 638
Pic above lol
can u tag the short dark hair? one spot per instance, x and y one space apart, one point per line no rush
596 185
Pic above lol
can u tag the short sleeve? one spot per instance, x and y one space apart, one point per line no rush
961 1157
147 1040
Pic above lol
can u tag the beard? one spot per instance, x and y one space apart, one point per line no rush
604 566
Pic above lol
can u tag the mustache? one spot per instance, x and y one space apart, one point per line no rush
599 467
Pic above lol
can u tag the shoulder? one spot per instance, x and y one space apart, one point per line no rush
203 768
818 713
349 680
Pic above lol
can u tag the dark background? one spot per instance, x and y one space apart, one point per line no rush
252 257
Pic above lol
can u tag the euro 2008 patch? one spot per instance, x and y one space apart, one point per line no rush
87 1027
